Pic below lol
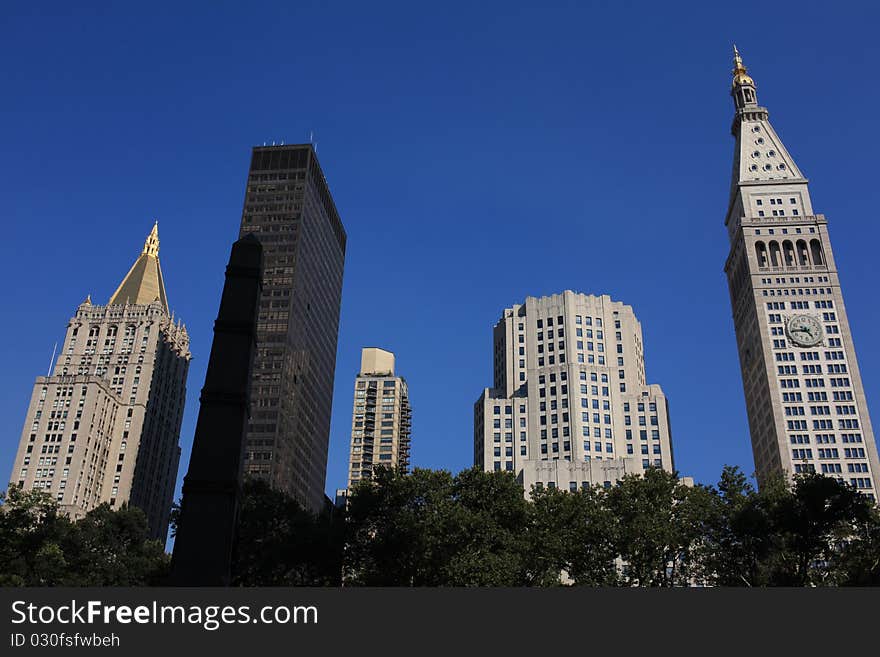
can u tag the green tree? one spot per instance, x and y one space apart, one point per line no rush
113 548
40 547
660 525
31 535
739 535
432 529
278 543
858 559
483 533
394 523
812 531
817 517
571 534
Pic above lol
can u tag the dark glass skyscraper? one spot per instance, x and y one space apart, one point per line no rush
288 207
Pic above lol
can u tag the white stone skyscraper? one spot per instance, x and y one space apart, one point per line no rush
571 405
104 426
804 396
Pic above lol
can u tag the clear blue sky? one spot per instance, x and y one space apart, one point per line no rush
455 137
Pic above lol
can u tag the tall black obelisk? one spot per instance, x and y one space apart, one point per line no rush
206 531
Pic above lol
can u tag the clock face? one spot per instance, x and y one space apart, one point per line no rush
804 330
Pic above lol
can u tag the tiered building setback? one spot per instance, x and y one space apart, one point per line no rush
104 426
571 405
804 396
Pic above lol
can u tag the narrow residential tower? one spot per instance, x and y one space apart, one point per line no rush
381 418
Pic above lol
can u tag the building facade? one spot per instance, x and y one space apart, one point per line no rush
288 207
104 426
804 396
381 420
571 405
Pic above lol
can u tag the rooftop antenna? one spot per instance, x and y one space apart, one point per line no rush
52 360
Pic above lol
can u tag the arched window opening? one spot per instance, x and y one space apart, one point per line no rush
788 250
775 254
802 253
816 252
761 254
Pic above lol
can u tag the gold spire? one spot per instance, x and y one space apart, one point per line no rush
151 246
144 283
740 74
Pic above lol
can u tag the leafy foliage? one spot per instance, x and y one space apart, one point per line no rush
41 547
660 522
475 529
433 528
816 531
571 537
280 544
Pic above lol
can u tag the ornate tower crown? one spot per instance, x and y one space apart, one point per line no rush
144 283
743 86
740 72
151 245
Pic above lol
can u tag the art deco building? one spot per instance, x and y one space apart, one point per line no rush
804 396
288 207
381 417
571 405
104 426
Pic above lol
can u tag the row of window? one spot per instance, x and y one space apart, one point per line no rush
578 319
801 425
828 453
772 231
824 438
796 292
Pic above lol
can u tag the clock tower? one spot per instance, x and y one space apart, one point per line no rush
804 397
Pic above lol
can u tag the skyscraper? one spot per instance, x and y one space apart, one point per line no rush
804 396
570 405
104 427
381 417
288 207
